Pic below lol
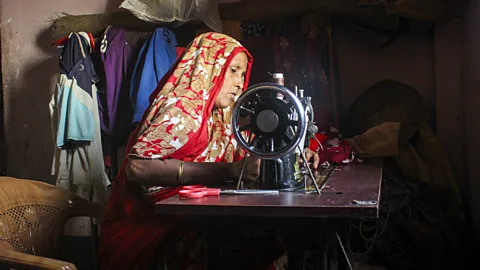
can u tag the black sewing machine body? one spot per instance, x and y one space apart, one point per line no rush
276 133
281 174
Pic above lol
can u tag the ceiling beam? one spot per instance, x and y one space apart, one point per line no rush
261 10
257 10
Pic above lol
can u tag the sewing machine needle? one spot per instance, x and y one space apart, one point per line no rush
309 170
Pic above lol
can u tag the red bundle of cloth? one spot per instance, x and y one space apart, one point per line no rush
331 148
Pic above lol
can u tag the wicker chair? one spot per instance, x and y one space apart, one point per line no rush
32 217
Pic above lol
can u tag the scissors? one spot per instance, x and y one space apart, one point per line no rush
200 191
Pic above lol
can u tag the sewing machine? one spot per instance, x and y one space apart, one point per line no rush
279 122
275 131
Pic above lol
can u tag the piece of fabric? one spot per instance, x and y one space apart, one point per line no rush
180 51
156 57
131 230
285 58
379 141
304 62
331 148
180 122
74 100
78 165
314 78
114 103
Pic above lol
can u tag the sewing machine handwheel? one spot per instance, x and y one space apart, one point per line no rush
275 134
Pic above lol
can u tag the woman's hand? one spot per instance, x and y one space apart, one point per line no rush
251 171
311 155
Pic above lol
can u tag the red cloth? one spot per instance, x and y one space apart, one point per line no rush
335 150
62 41
132 233
180 51
314 145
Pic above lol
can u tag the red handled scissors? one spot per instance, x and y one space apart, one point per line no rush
199 191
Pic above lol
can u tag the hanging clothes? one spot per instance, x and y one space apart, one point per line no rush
118 54
156 57
285 58
78 160
314 78
114 101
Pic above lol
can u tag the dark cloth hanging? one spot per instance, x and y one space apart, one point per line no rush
114 102
313 77
119 50
156 57
260 47
303 59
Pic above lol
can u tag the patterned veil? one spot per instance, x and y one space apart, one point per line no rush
181 122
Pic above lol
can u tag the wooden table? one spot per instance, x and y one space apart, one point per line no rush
350 191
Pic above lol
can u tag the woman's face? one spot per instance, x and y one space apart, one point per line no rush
234 81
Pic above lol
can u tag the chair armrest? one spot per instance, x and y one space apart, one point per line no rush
20 261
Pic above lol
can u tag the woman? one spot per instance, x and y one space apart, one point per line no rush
185 136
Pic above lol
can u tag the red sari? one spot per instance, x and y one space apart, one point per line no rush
181 123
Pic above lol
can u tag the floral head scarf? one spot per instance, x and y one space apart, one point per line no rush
181 122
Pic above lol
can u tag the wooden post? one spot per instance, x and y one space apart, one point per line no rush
97 23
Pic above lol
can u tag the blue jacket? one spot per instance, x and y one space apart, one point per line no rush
156 57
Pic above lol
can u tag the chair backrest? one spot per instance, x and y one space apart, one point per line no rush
33 214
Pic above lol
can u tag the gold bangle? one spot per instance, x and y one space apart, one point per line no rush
180 170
